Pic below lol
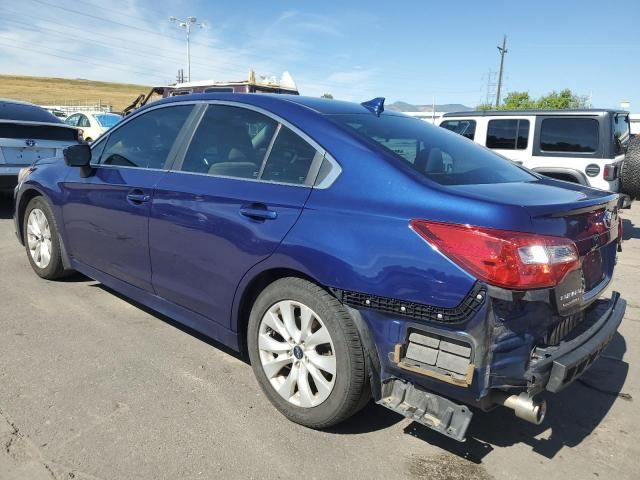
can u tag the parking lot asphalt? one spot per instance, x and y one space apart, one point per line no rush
92 386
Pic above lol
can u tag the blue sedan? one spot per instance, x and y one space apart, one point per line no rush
349 251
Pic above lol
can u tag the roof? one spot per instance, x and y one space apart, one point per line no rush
503 113
276 102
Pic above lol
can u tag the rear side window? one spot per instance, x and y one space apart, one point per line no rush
72 120
578 135
466 128
84 122
146 140
621 133
441 156
290 159
508 134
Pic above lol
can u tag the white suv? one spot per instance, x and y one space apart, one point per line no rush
581 146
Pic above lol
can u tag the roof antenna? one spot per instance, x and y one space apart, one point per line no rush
375 106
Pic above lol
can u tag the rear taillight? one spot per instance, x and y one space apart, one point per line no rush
610 172
503 258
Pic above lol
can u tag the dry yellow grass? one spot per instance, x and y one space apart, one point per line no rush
60 91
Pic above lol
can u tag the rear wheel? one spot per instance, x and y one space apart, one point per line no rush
306 353
41 240
630 173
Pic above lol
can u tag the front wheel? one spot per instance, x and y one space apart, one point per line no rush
41 240
306 353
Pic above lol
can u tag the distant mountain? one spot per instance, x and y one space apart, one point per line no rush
445 107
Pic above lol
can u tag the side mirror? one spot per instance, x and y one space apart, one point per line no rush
77 155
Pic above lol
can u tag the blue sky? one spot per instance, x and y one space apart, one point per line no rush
411 50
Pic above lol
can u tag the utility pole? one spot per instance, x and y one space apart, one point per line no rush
187 24
502 51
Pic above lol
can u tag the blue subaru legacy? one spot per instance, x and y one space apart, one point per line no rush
351 252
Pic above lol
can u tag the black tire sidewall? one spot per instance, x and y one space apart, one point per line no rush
350 375
54 269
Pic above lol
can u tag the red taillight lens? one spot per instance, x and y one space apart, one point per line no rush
503 258
609 172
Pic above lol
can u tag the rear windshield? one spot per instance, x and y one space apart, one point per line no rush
26 113
438 154
107 120
37 132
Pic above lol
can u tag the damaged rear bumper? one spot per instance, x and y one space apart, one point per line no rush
553 368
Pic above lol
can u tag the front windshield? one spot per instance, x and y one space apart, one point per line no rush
107 120
440 155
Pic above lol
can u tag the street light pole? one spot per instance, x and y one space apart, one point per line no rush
187 24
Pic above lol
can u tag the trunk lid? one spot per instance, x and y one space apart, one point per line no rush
22 143
589 217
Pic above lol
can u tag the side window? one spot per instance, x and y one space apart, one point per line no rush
230 142
621 132
83 121
577 135
508 134
96 151
466 128
290 159
72 120
146 140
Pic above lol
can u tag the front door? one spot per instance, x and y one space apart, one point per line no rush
106 215
240 188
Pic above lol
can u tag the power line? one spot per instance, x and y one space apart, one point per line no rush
66 55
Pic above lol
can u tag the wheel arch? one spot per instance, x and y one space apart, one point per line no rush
565 174
253 286
26 196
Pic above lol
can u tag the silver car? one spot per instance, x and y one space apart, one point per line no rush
28 133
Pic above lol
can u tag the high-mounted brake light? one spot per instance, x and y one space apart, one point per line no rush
503 258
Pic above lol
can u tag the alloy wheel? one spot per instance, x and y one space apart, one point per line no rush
39 238
297 353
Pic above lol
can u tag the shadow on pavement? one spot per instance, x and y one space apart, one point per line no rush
629 230
6 206
572 415
173 323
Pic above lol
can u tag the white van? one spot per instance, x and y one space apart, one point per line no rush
581 146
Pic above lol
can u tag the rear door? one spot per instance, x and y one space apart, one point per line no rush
106 215
240 187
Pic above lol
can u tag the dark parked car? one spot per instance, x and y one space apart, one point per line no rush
351 252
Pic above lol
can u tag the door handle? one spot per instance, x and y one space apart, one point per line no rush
137 197
257 212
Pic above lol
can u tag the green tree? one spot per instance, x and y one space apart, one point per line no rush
484 107
561 100
326 95
517 101
552 101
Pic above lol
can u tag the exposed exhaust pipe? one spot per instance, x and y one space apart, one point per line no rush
530 409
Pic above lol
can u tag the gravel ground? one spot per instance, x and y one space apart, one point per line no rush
93 386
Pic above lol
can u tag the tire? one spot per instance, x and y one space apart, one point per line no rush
46 235
630 173
306 398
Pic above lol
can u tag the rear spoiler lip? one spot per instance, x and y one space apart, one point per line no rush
607 201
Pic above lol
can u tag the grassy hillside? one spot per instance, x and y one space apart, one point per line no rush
56 91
